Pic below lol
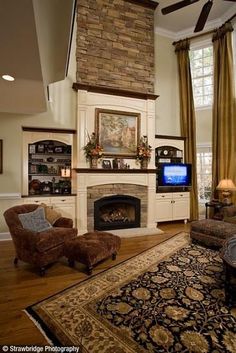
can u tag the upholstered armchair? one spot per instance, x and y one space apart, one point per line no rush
38 248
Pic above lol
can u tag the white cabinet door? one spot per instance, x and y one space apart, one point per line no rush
64 205
181 206
163 207
172 206
180 209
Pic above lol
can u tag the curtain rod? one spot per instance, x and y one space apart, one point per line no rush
205 33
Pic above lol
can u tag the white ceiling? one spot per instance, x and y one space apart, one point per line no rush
182 22
34 42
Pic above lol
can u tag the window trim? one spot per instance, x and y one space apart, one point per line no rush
201 45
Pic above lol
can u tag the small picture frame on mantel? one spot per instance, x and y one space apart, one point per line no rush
106 164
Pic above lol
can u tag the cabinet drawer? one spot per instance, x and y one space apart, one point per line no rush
181 195
164 196
63 200
37 200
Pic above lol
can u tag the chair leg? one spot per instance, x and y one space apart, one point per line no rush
42 271
15 261
114 256
71 263
89 270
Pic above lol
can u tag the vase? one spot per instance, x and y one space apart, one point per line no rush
93 163
144 163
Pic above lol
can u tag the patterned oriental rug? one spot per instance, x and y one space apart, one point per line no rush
167 299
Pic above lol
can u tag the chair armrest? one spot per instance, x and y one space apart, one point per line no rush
26 238
229 211
64 222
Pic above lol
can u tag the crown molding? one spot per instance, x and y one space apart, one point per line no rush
164 32
190 31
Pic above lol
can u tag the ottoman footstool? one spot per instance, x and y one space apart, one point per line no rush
91 248
211 232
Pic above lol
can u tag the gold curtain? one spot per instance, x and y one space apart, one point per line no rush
224 119
187 118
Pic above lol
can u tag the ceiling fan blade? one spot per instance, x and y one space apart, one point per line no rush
203 16
177 6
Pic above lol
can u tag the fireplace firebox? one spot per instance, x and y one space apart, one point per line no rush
117 212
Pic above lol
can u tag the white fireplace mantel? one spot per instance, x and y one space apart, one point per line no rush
87 102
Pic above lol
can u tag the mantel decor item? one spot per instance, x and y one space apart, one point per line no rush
117 132
93 150
227 187
144 152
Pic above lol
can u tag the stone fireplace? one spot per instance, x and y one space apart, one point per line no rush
114 196
116 212
115 71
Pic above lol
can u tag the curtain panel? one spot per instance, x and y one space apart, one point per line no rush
223 115
187 118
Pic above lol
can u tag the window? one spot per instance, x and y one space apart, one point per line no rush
204 173
201 60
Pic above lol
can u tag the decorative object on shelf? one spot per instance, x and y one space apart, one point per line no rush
227 187
93 150
106 164
65 172
118 132
40 148
34 187
144 152
32 149
46 187
58 149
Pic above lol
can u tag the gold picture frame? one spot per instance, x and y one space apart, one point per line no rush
1 157
118 132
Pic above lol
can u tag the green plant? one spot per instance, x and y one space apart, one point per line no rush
92 149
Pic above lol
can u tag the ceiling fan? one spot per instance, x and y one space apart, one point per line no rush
203 15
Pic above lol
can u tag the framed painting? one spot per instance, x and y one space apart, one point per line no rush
117 132
1 158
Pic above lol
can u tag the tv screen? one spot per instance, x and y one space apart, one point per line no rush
174 174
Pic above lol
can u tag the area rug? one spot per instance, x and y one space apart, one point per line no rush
136 232
167 299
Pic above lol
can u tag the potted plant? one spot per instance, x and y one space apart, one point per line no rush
144 152
92 150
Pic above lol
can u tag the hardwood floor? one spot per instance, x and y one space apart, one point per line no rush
21 286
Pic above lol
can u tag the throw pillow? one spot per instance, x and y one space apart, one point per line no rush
35 221
50 214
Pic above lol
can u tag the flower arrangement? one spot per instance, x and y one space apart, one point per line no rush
92 149
144 149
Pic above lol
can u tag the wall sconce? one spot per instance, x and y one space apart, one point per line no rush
227 186
65 172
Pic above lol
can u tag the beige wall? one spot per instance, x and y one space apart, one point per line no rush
166 85
61 113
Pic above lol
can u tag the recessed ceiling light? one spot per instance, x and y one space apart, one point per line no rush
8 77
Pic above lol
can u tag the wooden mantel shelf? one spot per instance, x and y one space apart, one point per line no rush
114 91
115 171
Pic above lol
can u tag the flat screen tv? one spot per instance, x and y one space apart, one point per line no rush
174 174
